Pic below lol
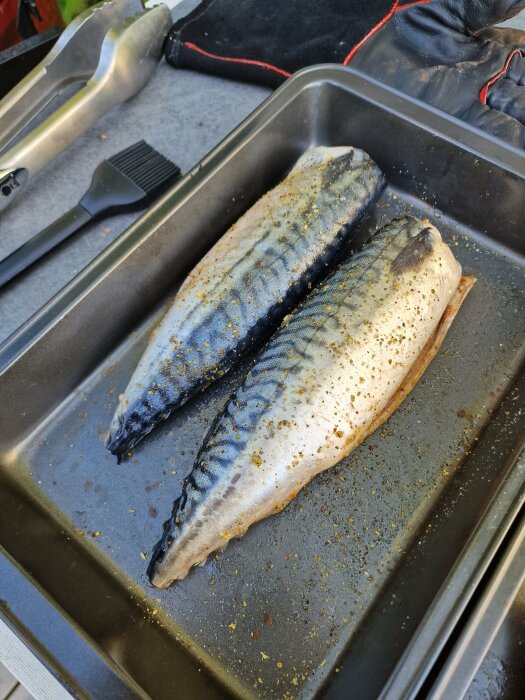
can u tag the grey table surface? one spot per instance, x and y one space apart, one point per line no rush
181 113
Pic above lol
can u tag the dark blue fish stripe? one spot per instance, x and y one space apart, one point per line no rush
294 233
250 402
223 280
211 322
198 365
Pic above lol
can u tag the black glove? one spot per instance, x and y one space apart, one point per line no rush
442 51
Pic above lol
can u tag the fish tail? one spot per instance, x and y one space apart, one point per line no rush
133 425
157 556
117 439
161 547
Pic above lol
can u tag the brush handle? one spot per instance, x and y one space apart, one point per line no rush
42 243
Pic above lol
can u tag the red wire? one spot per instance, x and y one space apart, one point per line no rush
396 7
483 94
268 66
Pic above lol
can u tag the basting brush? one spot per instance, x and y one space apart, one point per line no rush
128 181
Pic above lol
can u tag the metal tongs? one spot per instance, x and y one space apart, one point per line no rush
115 46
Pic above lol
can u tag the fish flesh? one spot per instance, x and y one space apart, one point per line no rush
244 286
338 366
240 291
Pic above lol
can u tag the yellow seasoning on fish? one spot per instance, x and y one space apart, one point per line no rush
354 348
247 283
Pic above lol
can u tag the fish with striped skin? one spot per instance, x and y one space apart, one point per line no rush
246 284
335 370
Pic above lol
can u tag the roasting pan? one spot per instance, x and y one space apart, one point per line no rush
354 589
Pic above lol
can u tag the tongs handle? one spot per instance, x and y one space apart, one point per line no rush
73 58
128 57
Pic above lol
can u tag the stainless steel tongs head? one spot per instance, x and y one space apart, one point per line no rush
127 57
73 58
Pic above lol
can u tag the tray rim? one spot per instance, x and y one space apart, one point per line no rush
425 646
480 629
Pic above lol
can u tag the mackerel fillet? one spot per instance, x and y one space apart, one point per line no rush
339 365
244 286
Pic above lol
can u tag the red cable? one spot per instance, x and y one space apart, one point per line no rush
396 7
483 94
268 66
411 4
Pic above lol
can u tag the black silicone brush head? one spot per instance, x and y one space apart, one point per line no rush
129 180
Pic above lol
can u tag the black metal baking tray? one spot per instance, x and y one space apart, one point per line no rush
360 581
502 672
499 596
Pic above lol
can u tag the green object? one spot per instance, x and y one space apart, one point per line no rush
69 9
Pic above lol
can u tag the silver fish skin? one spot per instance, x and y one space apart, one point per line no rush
243 287
314 392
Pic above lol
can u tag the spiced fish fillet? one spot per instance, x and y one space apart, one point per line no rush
335 370
247 282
